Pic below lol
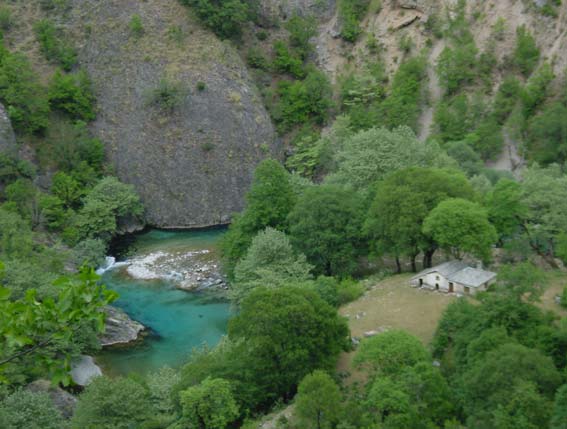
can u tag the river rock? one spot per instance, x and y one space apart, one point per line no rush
120 329
192 163
63 400
84 369
7 137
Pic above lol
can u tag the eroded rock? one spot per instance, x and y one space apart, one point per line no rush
84 370
63 400
120 329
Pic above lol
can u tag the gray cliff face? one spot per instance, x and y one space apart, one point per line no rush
192 165
7 137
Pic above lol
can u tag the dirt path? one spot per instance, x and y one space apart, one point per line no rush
434 91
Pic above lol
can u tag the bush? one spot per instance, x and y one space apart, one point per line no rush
301 30
167 95
24 409
73 95
135 25
348 291
456 67
53 46
224 17
24 98
6 21
564 298
286 61
256 59
526 54
351 13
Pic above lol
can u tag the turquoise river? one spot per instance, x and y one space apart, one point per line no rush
177 320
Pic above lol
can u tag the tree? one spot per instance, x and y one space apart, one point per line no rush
522 281
389 353
38 335
325 225
403 200
460 226
526 54
268 203
456 66
209 405
559 418
270 261
370 155
72 94
505 208
15 235
290 332
547 135
224 18
318 401
112 403
27 410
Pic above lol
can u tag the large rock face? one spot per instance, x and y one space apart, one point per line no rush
193 164
7 138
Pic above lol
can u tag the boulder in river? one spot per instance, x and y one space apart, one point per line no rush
120 329
84 369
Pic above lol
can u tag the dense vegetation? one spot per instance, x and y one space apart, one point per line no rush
365 196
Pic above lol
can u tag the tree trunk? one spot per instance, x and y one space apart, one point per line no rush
413 264
428 258
398 265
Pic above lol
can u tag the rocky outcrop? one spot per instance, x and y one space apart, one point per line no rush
119 329
84 370
63 400
273 11
7 137
191 163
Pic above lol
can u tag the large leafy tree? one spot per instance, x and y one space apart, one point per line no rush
505 208
38 335
460 226
403 201
290 332
209 405
318 401
119 403
270 261
325 225
24 409
559 419
268 203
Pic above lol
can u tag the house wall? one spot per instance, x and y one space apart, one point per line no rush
430 280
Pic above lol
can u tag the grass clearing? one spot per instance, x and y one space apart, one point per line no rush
557 281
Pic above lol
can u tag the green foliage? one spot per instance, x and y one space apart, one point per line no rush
268 203
290 332
301 30
21 275
369 156
559 418
27 410
256 59
6 20
105 204
351 13
112 403
469 161
270 261
536 89
24 98
90 252
505 209
456 67
389 353
135 25
526 54
15 235
160 385
318 401
547 135
209 405
460 226
304 101
311 153
506 98
37 336
72 94
402 203
522 281
224 17
55 48
325 225
287 61
24 197
167 96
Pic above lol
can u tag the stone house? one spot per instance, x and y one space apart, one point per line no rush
454 277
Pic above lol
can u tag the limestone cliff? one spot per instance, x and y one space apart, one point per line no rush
191 164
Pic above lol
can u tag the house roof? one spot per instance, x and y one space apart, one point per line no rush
459 272
445 269
473 277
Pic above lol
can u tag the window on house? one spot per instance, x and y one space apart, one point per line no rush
467 290
436 277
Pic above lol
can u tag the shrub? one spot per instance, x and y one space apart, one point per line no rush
24 98
526 54
351 13
167 96
456 66
135 25
564 298
25 409
224 17
6 21
201 86
72 94
301 30
348 291
53 46
285 60
256 59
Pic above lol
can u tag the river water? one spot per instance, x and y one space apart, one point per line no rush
147 281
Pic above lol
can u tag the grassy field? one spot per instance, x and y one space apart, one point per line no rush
557 281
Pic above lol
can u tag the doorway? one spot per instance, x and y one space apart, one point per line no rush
451 287
436 286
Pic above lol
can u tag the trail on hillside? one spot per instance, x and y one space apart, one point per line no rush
510 159
434 91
